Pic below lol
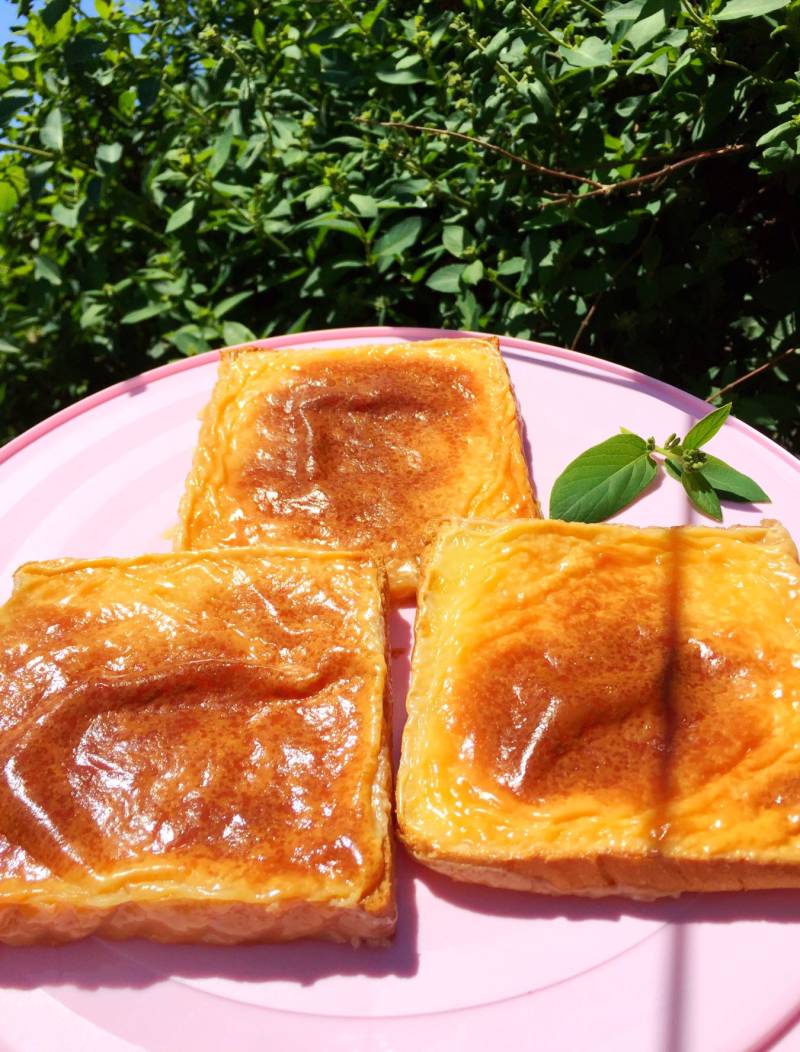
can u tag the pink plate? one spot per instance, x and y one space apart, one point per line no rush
469 965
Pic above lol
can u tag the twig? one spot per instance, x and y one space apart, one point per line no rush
586 319
753 372
649 177
598 188
538 24
540 168
32 150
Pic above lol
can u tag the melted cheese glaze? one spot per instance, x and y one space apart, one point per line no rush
366 448
193 727
602 690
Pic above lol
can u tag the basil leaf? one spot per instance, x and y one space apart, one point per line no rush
730 483
601 481
706 428
702 494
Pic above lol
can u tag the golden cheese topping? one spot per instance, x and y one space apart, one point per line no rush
194 726
366 448
581 690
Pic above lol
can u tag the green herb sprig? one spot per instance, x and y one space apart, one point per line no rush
608 476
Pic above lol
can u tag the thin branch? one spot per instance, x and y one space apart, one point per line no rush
591 7
753 372
649 177
598 188
585 322
32 150
447 132
538 24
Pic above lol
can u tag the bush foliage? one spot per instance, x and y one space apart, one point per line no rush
182 176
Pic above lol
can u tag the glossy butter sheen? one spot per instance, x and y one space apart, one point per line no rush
602 691
194 728
366 448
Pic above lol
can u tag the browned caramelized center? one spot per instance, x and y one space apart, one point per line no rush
213 759
224 716
362 451
623 699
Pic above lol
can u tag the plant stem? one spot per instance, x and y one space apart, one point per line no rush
753 372
447 132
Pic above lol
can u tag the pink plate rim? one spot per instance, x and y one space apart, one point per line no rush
83 405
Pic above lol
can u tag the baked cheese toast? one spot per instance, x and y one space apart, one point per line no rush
366 448
193 747
599 709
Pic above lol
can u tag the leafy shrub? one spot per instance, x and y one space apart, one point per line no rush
191 175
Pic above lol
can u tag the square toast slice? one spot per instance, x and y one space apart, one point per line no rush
194 748
606 710
366 448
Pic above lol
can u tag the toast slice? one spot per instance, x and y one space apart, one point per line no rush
194 748
366 448
606 710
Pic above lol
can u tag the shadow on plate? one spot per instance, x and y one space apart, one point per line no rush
96 963
779 907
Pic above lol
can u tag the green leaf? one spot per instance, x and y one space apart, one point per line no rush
8 348
230 302
10 102
143 313
749 9
497 43
365 205
603 480
219 155
48 270
331 221
52 131
53 12
180 217
515 265
107 156
8 197
592 52
399 237
260 35
234 332
399 76
446 279
776 132
93 314
67 217
318 196
453 240
705 429
732 484
701 494
472 274
648 25
369 18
